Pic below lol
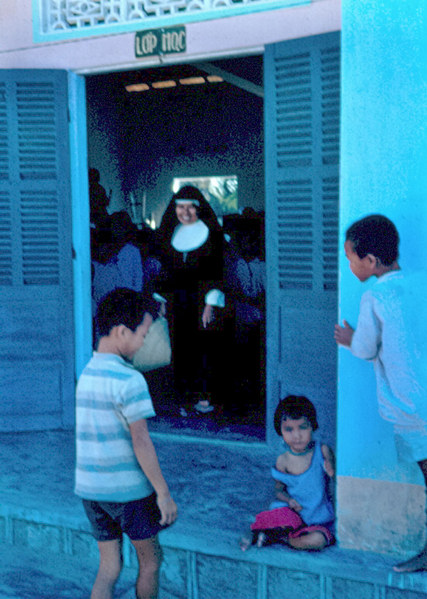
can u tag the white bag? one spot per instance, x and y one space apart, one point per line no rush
156 351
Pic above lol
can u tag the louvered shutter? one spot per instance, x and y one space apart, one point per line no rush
36 308
302 105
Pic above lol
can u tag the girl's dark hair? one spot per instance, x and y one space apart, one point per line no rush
376 235
123 306
294 407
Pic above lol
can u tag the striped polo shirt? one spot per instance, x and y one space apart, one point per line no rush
110 395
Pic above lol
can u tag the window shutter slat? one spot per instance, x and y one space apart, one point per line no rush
295 234
40 237
330 98
4 142
36 130
6 266
31 247
307 110
293 110
330 214
36 269
302 200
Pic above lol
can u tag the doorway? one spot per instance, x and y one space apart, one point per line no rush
148 128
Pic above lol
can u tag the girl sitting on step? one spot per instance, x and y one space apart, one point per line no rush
302 514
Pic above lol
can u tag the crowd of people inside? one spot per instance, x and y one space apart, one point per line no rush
209 281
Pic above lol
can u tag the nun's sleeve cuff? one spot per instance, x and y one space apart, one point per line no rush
215 297
159 298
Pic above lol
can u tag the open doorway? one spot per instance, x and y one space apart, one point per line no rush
146 130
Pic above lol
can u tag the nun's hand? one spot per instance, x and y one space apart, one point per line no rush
208 315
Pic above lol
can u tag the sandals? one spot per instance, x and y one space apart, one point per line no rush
203 407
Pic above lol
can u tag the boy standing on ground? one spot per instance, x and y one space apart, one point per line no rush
390 333
117 471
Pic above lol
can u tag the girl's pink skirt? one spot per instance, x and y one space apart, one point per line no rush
289 521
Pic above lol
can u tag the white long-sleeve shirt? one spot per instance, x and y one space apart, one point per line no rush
392 332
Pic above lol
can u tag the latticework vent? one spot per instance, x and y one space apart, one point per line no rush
330 91
4 142
40 237
330 207
36 130
294 110
5 239
295 234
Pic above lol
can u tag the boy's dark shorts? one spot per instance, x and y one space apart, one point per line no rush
139 519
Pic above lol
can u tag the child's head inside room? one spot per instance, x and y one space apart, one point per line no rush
123 319
295 421
371 246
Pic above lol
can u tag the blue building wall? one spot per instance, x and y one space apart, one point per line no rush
383 169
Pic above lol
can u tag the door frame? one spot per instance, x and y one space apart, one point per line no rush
80 221
80 195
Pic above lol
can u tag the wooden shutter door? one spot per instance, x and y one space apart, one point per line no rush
302 104
36 282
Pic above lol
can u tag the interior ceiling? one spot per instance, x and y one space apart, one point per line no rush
245 72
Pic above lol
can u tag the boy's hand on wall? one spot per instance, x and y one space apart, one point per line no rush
344 335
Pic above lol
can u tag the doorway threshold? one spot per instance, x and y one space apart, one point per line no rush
209 427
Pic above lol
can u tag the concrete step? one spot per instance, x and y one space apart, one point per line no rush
47 557
30 574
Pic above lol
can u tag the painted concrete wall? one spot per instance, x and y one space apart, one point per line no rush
383 158
230 36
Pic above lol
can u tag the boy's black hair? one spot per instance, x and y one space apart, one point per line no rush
123 306
376 235
294 407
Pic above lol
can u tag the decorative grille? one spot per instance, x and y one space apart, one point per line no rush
56 19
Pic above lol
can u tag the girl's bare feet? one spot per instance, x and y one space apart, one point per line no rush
245 542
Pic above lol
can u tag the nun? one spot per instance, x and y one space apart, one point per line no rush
190 242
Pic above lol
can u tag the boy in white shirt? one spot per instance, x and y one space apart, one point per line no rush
388 332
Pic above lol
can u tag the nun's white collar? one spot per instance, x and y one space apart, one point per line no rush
187 238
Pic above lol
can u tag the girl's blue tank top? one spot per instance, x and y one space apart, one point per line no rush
310 489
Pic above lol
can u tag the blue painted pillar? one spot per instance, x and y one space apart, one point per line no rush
383 169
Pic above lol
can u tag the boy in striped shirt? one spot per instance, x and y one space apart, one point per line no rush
117 471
